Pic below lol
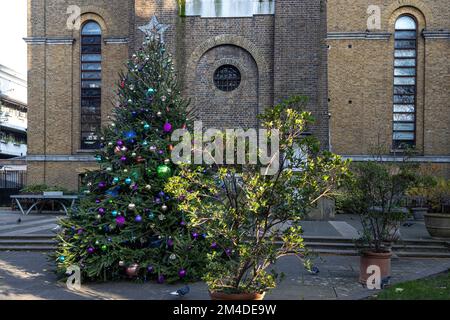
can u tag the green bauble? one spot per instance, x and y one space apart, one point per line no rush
164 171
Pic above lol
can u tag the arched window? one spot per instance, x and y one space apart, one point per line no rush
91 76
405 83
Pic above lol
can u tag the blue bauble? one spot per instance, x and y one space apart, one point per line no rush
62 259
130 134
151 216
116 180
128 181
150 92
146 126
114 213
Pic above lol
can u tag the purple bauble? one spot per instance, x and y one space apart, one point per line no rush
80 231
183 223
182 273
195 235
167 127
138 219
120 221
170 243
97 201
101 211
150 269
102 184
214 245
228 252
161 279
123 158
120 143
90 250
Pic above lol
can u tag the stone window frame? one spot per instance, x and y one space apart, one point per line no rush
97 145
227 61
406 142
421 14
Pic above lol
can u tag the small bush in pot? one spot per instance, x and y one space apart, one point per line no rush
438 220
252 219
377 191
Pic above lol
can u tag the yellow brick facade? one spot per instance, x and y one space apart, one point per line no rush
359 67
360 78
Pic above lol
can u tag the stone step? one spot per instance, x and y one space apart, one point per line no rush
396 247
27 242
405 254
26 248
28 237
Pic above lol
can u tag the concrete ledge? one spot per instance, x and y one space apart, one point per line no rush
61 158
358 36
389 158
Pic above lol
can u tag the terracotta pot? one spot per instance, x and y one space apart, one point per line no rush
438 225
237 296
132 270
419 213
380 259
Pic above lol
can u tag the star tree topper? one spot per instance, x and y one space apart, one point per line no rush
154 29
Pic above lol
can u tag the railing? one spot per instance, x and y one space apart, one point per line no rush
13 149
11 182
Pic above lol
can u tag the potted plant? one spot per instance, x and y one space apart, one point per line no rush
251 218
377 193
438 221
419 196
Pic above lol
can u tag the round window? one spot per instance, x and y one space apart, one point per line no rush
227 78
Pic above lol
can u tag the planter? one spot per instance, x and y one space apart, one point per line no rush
237 296
438 225
419 213
380 259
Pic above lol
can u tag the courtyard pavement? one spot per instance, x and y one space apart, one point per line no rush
29 275
344 226
26 275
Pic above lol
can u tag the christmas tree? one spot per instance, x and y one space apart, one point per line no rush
126 226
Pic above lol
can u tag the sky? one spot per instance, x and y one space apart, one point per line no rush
13 28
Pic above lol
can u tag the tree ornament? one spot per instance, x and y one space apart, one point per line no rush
151 216
163 98
128 181
167 161
102 185
104 247
138 218
148 187
172 256
150 92
114 213
132 270
159 114
164 171
167 127
146 127
90 250
120 221
182 273
153 148
164 208
132 206
162 217
161 279
123 158
62 259
121 264
116 180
